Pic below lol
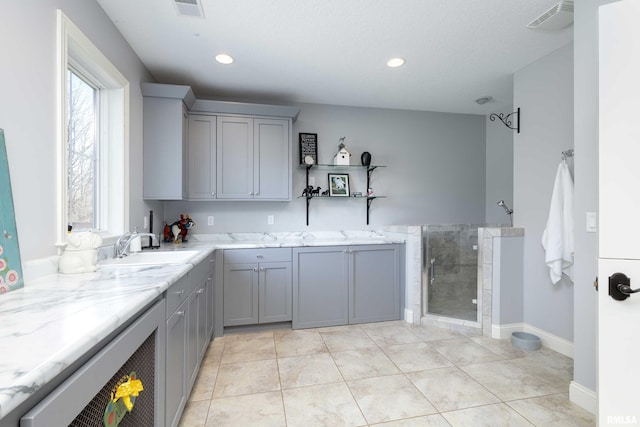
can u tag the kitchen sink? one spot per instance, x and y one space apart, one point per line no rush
151 258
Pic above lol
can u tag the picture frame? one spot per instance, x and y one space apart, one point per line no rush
339 185
308 147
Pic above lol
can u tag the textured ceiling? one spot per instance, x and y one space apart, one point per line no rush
335 51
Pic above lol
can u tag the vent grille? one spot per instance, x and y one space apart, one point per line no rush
556 18
189 8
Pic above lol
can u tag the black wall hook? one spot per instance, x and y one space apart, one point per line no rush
507 119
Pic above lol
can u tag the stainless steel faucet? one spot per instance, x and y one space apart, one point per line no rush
123 242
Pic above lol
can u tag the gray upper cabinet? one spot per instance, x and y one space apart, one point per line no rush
202 157
253 158
165 136
165 127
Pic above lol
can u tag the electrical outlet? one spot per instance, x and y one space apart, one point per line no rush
210 220
270 219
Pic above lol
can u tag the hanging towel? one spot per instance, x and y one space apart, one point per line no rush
557 238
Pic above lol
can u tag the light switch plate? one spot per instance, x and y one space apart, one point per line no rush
592 222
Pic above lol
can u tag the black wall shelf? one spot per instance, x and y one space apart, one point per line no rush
369 170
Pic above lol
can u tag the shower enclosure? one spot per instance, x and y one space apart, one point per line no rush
450 273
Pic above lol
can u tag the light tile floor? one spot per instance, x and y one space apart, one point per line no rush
382 374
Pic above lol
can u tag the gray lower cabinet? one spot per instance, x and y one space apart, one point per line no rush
374 283
188 334
338 285
320 293
176 355
259 291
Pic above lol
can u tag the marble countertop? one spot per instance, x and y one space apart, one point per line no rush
55 319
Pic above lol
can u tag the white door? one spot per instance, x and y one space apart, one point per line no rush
619 207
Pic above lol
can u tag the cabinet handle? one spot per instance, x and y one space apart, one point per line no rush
261 268
180 313
251 194
180 292
255 268
213 194
259 256
256 193
200 291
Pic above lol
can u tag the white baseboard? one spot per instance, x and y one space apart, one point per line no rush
408 315
551 341
502 332
583 397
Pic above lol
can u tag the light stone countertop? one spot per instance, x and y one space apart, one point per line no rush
55 319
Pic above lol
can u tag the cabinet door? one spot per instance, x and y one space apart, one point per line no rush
320 287
203 336
374 283
211 298
240 294
191 312
234 168
175 393
202 157
271 159
275 292
164 160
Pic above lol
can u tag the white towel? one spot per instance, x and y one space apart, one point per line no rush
557 238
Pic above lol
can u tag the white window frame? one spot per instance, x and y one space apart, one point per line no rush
75 49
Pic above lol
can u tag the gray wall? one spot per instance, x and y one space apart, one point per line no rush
499 179
544 92
28 110
435 173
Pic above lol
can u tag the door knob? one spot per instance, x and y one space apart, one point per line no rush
620 287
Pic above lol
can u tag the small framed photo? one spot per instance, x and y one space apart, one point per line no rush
339 185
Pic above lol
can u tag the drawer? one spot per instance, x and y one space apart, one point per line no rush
201 271
176 294
246 256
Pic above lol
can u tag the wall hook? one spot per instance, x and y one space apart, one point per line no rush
506 120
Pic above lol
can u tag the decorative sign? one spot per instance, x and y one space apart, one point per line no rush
308 147
10 267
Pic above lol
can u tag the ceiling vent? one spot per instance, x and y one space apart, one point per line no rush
189 8
556 18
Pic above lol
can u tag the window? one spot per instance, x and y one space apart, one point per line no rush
82 152
93 118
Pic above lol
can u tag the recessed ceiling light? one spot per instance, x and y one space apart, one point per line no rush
395 62
225 59
484 99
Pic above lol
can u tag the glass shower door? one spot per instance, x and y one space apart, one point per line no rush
451 267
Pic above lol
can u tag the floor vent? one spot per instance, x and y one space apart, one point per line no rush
189 8
556 18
